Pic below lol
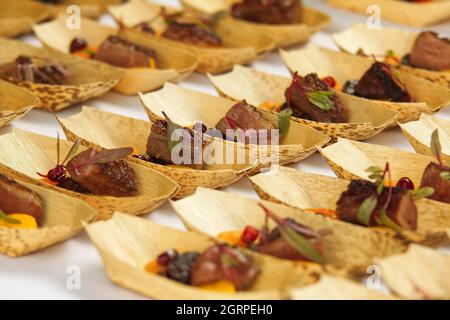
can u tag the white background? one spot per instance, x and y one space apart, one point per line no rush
43 275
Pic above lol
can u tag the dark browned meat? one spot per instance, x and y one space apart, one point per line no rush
16 198
112 178
72 185
380 84
245 117
221 262
430 52
300 97
268 11
402 209
192 33
432 178
123 53
350 200
158 147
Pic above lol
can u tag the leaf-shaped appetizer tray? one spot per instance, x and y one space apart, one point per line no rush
419 273
416 14
89 8
379 42
126 244
239 47
349 249
18 16
15 102
23 154
429 96
63 217
307 191
309 22
185 107
419 134
367 118
173 64
93 128
88 79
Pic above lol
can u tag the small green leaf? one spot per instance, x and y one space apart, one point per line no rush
445 175
301 244
284 121
366 209
435 143
7 219
390 53
380 187
171 128
321 99
72 152
421 193
384 220
374 170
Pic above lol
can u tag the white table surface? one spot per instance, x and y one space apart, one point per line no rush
43 275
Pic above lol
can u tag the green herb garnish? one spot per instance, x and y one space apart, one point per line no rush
284 122
321 99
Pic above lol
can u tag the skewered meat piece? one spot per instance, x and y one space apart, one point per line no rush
94 171
301 97
36 70
125 54
432 178
379 83
245 117
192 33
430 52
268 11
16 198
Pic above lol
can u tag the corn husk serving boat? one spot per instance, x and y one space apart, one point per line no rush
18 17
429 97
284 35
126 244
185 107
419 134
306 191
88 79
15 102
172 64
63 217
348 249
367 118
380 42
238 47
415 14
24 154
88 8
80 126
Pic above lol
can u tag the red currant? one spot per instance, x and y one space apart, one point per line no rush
57 174
165 257
78 44
250 234
329 81
406 183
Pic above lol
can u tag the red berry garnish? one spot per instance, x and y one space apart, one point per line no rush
329 81
78 44
165 257
406 183
57 174
250 234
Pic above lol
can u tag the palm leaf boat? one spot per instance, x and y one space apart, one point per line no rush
28 156
79 80
347 249
395 47
18 17
413 14
185 107
162 62
419 134
411 96
316 193
284 34
15 102
127 245
366 118
88 8
217 48
80 126
61 218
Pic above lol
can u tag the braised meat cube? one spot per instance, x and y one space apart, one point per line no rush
401 209
268 11
350 200
430 52
432 178
192 33
125 54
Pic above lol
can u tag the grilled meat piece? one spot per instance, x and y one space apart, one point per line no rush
192 33
432 178
125 54
16 198
268 11
180 268
299 99
430 52
145 27
380 84
112 178
72 185
401 209
221 262
158 147
245 117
